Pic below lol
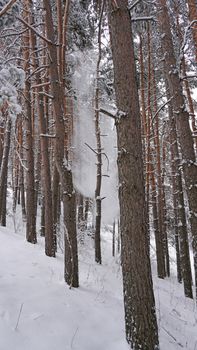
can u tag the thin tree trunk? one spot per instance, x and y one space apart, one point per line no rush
180 209
113 238
158 240
30 185
55 200
21 171
167 256
193 18
65 173
87 205
4 170
45 163
146 137
163 236
182 121
80 209
98 200
184 68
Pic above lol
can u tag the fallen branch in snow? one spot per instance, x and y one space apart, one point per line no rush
172 337
73 338
19 315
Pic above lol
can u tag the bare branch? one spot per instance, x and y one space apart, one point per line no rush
7 7
154 116
136 19
109 114
45 94
190 76
21 161
40 85
91 148
34 30
49 136
131 7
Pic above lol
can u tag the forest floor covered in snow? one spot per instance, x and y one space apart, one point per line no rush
38 311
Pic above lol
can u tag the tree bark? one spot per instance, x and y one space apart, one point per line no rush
193 17
30 184
140 316
45 162
179 206
4 169
65 173
182 121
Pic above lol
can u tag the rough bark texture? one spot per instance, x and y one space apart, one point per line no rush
184 63
193 17
181 234
30 190
45 162
140 317
182 121
65 173
4 171
55 201
99 153
161 219
146 138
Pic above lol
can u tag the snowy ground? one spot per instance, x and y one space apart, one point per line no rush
39 312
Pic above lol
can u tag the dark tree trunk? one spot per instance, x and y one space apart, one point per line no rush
29 143
182 121
98 200
113 238
65 173
140 315
180 209
193 17
56 203
4 170
80 215
45 163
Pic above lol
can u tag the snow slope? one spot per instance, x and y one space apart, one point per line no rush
39 312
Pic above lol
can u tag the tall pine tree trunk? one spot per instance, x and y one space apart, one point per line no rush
65 172
45 162
140 316
182 121
30 183
4 169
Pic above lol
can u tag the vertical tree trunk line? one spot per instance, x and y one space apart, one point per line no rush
4 167
65 173
30 184
182 121
141 328
45 162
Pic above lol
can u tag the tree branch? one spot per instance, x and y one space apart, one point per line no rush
34 30
7 7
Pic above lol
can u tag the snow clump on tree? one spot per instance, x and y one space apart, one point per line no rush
11 79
